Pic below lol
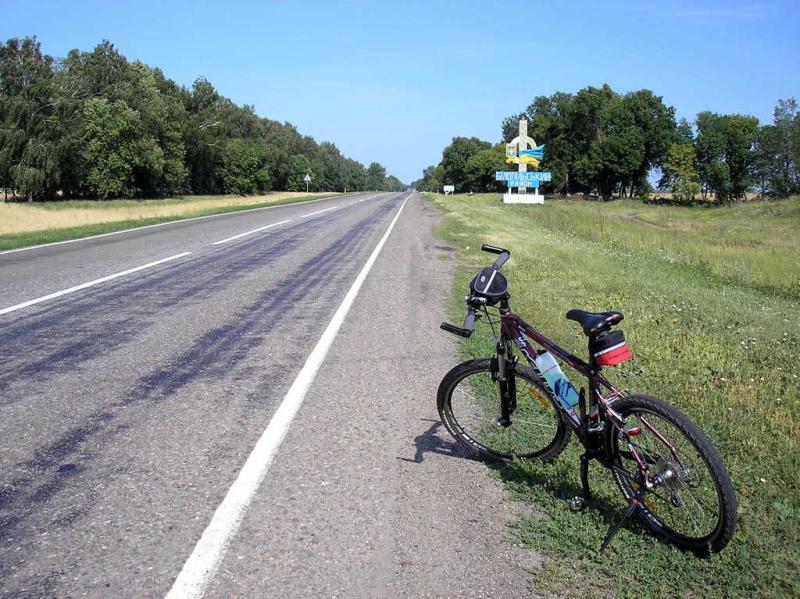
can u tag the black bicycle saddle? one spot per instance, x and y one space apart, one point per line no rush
594 322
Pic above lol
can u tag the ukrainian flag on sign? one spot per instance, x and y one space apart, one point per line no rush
533 157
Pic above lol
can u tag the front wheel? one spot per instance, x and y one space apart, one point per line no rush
690 501
469 405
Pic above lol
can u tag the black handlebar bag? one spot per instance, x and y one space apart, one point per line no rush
491 284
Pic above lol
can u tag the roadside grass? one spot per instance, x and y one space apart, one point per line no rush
754 244
23 224
714 327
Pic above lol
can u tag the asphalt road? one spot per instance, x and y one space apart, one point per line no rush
128 407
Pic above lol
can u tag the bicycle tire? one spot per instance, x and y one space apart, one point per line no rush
696 480
468 403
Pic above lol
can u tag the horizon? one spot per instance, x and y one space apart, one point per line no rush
342 76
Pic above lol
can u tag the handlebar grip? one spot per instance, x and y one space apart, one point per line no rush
450 328
469 325
492 249
469 320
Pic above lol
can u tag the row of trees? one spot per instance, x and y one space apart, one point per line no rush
95 125
730 155
609 144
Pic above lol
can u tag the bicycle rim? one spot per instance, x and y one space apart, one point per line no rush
472 414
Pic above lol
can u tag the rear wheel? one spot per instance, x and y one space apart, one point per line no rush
469 404
692 504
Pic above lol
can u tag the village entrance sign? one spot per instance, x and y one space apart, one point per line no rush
522 150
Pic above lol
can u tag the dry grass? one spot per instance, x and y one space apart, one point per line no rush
26 218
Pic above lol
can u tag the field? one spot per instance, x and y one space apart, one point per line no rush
711 298
25 224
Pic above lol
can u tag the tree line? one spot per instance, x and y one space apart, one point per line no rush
94 125
600 142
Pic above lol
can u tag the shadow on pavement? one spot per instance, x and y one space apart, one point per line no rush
431 442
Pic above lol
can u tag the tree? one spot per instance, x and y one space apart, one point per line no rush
725 155
355 175
683 132
204 138
245 167
613 146
656 124
160 117
376 175
117 148
481 168
742 131
392 183
710 146
680 172
333 168
778 151
158 103
299 167
432 179
455 158
28 128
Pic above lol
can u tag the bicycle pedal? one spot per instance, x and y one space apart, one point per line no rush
577 503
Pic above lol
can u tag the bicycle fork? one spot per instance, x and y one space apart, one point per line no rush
506 383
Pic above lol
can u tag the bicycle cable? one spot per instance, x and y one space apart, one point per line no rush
492 323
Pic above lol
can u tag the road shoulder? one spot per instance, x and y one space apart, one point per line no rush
369 496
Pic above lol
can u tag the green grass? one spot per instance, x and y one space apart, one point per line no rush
17 240
755 245
711 300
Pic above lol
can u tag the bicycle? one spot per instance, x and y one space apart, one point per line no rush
502 410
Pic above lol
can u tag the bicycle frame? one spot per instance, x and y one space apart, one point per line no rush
513 328
601 391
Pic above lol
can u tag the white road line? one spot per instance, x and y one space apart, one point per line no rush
319 211
202 564
171 222
251 232
39 300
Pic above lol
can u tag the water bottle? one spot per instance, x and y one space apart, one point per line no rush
564 390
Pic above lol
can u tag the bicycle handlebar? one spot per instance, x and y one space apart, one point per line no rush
475 302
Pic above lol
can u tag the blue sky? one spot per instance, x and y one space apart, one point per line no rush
395 81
